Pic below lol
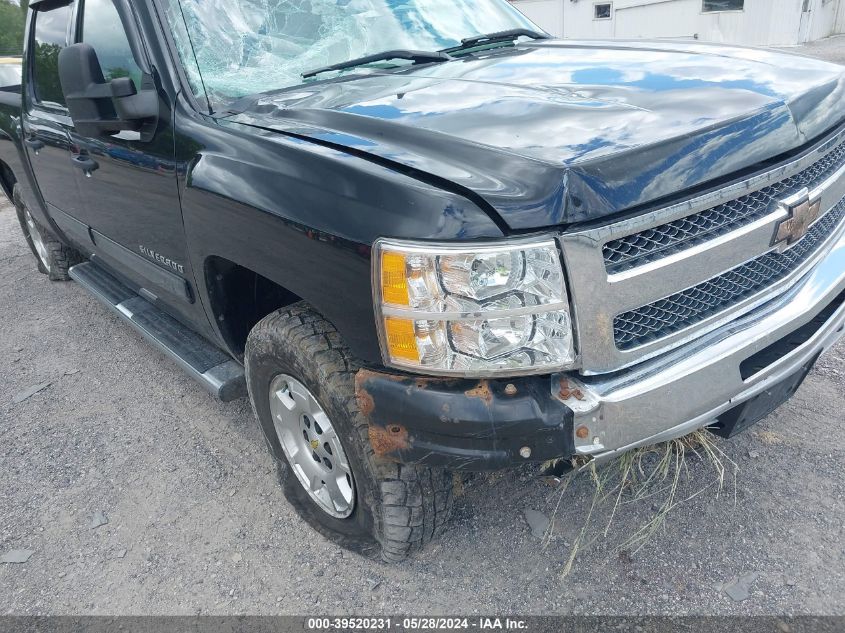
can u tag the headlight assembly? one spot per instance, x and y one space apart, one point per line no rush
472 309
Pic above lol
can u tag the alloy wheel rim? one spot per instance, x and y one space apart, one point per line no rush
37 240
312 446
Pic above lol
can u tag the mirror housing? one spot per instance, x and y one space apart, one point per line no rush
98 106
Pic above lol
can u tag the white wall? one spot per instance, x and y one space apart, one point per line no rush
578 19
546 13
824 18
761 23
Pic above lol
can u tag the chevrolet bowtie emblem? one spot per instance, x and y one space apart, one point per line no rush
803 212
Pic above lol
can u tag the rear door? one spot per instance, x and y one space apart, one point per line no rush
47 126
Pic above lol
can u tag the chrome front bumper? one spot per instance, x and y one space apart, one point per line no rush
690 387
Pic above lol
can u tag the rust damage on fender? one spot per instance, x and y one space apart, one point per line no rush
384 398
365 401
363 375
462 423
387 440
482 391
366 404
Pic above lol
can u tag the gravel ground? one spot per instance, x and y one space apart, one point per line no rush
831 49
196 522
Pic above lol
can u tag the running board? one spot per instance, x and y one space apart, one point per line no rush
210 366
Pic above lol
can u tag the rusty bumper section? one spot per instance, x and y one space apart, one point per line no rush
464 424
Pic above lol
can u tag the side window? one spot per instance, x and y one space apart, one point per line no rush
103 30
50 37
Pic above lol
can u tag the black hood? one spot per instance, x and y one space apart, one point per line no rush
559 132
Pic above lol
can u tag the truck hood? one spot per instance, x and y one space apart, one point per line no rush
560 132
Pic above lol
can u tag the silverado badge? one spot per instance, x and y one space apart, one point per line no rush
161 259
803 213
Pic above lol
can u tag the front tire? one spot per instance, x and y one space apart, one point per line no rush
296 361
54 258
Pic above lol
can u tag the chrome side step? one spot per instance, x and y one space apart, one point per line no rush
210 366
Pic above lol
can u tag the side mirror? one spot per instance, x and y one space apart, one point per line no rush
98 106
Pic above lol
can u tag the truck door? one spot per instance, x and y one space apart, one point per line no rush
130 192
47 126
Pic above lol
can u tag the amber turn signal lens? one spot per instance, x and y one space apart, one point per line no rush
394 281
401 339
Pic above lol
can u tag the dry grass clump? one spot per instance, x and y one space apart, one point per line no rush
651 474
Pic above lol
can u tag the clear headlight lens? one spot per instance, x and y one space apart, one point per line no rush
473 310
481 276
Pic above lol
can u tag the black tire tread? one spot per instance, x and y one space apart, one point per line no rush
416 501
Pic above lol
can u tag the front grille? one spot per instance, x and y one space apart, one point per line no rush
664 240
683 309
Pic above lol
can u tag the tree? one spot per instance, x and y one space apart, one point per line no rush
12 18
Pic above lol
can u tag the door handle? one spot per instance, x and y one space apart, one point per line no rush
85 163
34 142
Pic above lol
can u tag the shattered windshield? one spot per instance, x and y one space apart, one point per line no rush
231 49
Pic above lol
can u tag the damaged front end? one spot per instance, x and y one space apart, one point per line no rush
463 424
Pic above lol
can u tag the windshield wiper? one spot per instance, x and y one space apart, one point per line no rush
418 57
499 36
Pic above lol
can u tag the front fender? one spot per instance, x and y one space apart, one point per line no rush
305 216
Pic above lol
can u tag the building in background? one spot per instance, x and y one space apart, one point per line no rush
749 22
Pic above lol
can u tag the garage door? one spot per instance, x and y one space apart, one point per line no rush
547 14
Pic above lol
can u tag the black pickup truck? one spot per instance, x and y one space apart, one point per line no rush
424 237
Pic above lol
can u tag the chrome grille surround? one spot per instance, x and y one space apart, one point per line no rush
661 241
600 296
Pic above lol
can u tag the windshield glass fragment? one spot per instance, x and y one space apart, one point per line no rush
232 49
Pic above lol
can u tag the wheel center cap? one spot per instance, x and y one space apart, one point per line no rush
315 444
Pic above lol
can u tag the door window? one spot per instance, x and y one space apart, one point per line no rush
103 30
50 38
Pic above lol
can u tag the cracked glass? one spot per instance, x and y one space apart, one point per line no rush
232 49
